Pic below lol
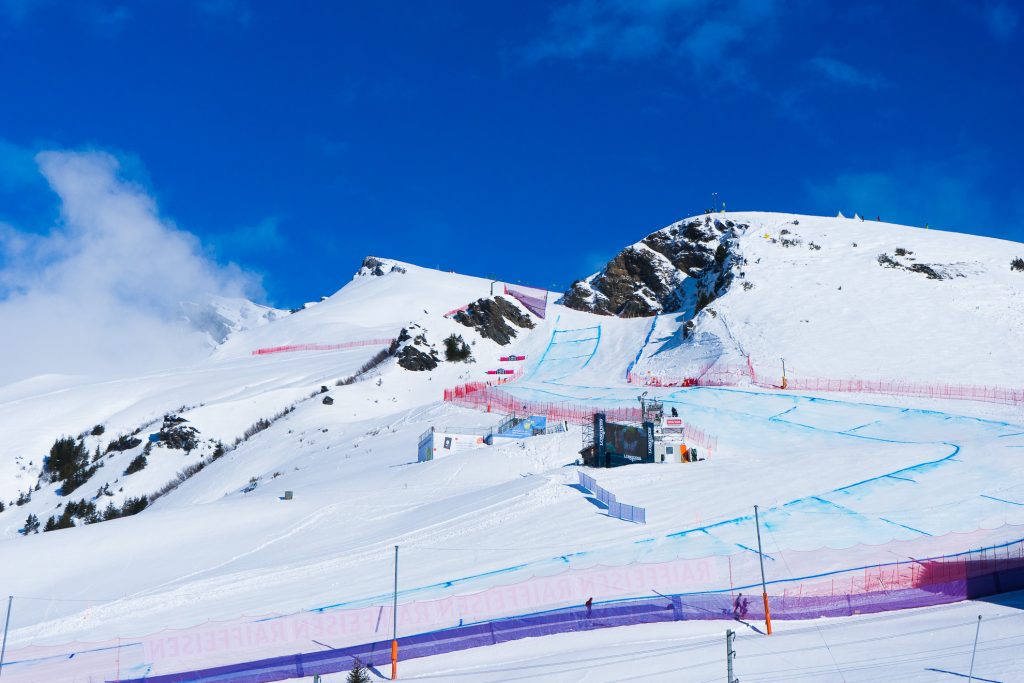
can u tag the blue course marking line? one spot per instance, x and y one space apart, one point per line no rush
640 352
65 655
892 476
582 355
1011 502
956 449
594 352
889 521
819 399
849 511
546 349
577 341
740 545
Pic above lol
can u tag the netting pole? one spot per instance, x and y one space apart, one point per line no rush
730 654
7 622
394 624
764 588
970 675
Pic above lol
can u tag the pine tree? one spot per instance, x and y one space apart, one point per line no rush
137 463
31 525
68 463
358 673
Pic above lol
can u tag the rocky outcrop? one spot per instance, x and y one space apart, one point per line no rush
414 353
680 268
375 267
491 318
416 360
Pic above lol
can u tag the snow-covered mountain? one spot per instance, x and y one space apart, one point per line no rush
213 446
834 297
218 317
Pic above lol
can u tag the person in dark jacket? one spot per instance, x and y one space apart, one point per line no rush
590 605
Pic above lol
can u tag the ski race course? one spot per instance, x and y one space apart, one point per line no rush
888 497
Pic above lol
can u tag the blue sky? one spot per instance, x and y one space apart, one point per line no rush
528 141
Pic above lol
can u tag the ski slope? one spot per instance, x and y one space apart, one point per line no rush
839 477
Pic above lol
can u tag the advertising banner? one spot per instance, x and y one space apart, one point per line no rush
600 442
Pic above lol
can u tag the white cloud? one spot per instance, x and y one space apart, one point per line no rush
845 74
101 293
703 34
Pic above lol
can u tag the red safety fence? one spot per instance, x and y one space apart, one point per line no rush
457 310
321 347
486 396
695 436
744 375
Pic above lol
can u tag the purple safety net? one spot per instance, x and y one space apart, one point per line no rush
939 581
535 300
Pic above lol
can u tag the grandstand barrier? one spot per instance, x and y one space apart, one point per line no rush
288 348
744 375
629 513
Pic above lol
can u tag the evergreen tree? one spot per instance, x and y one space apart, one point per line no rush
138 463
31 525
68 463
133 506
358 673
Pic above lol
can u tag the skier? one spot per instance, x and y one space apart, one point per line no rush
675 413
590 604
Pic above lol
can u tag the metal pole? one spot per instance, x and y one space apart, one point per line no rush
730 654
970 675
764 589
394 621
7 622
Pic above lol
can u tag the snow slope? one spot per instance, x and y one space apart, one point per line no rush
845 472
829 308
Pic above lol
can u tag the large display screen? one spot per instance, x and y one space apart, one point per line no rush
627 440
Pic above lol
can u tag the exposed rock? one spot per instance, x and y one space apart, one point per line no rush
491 318
934 271
372 266
375 267
412 358
174 434
679 268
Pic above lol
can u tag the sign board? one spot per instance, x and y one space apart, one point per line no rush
507 359
438 444
600 436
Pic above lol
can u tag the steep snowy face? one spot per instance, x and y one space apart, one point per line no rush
678 268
